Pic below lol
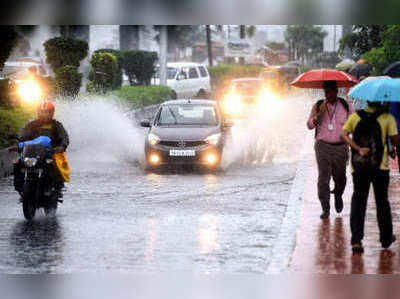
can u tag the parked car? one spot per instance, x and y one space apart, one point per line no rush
186 132
187 80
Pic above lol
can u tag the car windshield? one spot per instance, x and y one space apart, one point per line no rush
171 72
188 114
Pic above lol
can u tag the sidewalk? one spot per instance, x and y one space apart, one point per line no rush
323 246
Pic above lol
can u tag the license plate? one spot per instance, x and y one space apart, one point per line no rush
182 153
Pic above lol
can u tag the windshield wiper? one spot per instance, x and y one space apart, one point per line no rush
173 115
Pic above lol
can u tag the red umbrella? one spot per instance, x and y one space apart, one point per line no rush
316 78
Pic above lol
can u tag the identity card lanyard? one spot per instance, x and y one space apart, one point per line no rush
330 125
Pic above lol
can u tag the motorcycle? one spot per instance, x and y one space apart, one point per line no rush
34 175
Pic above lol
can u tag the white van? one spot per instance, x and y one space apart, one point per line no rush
187 80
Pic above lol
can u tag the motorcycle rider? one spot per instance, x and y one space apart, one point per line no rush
44 125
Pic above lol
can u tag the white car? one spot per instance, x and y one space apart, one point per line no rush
18 70
187 80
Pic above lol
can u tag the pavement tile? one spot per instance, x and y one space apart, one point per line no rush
323 246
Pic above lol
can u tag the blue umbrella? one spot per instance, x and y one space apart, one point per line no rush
377 90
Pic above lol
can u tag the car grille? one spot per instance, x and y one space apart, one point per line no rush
182 143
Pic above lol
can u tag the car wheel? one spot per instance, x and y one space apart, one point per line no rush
201 94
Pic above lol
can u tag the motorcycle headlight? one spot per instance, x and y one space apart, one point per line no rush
213 139
153 139
30 162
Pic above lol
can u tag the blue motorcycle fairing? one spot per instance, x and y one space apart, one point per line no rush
41 140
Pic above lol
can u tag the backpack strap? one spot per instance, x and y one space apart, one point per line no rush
345 104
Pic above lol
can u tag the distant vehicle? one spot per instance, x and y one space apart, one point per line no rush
24 74
187 80
18 70
200 51
278 78
186 132
244 95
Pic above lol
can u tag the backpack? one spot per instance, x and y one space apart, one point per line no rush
368 133
341 100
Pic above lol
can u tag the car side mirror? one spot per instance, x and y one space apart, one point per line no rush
145 123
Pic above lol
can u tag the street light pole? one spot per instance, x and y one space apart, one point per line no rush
242 36
209 46
163 55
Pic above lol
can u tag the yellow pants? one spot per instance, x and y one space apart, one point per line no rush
61 162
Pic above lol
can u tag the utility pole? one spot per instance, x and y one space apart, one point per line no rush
209 46
242 36
334 38
163 54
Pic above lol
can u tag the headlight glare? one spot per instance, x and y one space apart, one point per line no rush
233 104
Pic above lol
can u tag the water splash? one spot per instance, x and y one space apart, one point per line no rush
101 129
271 134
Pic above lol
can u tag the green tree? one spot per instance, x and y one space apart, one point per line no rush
68 81
139 66
8 39
181 36
103 72
387 52
120 61
305 41
362 39
62 51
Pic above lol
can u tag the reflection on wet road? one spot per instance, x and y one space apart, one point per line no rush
115 217
120 219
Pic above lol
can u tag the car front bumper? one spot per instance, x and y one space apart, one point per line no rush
204 155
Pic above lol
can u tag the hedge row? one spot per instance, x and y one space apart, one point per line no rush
223 73
11 122
140 96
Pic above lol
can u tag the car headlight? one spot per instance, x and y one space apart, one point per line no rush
30 162
213 139
29 91
153 139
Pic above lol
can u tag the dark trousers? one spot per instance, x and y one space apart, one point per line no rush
398 155
380 183
332 162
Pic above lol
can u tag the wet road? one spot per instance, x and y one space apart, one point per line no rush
127 221
117 218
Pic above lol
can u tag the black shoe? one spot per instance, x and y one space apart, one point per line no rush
387 245
338 204
324 215
357 248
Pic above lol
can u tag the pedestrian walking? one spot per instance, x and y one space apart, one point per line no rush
369 165
327 118
395 111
